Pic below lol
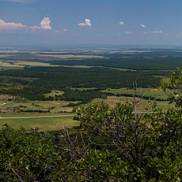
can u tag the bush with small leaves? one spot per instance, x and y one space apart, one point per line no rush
173 87
26 157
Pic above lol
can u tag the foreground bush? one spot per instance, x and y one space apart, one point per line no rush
113 144
149 145
25 157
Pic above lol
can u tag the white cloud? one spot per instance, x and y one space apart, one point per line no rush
157 31
5 25
142 25
121 22
46 23
87 23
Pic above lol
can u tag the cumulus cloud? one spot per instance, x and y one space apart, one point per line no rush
45 24
121 22
5 25
142 25
87 23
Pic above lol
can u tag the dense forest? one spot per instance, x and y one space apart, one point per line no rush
38 81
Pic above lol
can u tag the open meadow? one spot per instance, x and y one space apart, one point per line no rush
38 122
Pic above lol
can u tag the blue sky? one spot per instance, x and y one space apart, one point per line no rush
90 22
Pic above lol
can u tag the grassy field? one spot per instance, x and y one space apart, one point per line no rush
37 106
141 104
8 65
43 123
155 93
69 57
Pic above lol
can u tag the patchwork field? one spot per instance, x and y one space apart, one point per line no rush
36 106
37 88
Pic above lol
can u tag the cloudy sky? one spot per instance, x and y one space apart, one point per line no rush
90 22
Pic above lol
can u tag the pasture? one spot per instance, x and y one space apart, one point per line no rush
40 122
